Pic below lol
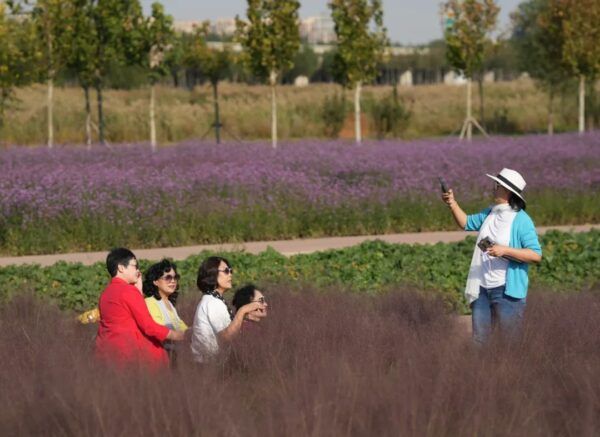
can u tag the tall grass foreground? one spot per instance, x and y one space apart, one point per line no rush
321 364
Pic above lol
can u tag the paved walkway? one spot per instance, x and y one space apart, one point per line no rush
285 247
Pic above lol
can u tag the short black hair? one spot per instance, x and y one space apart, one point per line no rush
516 203
208 273
243 296
120 256
155 272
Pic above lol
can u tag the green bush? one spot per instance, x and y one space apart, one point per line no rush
333 114
389 115
571 262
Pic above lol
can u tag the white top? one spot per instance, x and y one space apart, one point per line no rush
497 227
211 318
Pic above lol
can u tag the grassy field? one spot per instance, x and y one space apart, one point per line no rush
321 364
510 107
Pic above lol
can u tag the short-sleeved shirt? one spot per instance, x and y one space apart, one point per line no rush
212 316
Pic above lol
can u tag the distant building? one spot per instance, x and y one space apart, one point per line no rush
318 30
406 79
301 81
187 26
314 30
452 78
223 26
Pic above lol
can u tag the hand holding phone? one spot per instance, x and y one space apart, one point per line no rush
443 185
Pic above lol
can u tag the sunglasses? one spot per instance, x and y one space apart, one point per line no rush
261 300
227 270
170 278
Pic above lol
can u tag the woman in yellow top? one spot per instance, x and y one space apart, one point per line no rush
160 285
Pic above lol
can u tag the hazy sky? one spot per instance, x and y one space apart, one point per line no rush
407 21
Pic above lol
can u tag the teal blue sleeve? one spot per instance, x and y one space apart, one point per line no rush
474 221
528 236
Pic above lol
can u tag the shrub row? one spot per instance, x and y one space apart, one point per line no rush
185 227
571 263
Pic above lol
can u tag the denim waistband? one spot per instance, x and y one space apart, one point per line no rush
491 290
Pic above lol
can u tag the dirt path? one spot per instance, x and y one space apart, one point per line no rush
285 247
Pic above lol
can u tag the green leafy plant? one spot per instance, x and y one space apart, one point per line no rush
571 263
333 114
390 115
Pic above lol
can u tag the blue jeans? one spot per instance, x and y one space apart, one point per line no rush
494 309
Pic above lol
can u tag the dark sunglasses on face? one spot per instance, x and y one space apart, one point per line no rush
170 278
227 270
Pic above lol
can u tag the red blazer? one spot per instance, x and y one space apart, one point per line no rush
126 332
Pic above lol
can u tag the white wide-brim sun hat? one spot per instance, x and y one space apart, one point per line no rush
511 180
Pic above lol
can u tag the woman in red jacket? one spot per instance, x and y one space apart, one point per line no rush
126 333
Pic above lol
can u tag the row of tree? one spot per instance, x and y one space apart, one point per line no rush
558 40
555 40
39 38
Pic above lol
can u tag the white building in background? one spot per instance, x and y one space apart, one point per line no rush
406 78
223 26
318 30
301 81
187 26
451 78
489 77
315 30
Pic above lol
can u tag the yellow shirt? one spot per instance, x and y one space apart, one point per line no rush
157 314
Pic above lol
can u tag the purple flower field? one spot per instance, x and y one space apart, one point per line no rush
129 184
44 183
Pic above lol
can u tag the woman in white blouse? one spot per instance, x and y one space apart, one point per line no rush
214 324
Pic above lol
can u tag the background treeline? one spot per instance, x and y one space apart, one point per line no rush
110 44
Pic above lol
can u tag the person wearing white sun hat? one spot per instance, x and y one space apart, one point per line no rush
507 243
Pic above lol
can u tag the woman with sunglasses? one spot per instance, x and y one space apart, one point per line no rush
245 295
214 324
507 243
160 285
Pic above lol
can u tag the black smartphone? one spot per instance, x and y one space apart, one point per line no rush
485 243
443 185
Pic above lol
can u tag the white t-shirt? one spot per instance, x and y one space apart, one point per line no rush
211 318
497 227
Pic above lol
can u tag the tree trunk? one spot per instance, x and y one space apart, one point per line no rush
581 104
88 117
469 112
481 106
50 110
100 114
51 73
152 118
273 81
357 126
217 115
592 105
551 112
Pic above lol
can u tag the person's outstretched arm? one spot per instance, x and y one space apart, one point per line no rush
460 217
233 329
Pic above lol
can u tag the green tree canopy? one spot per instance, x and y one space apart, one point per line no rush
270 38
361 43
467 25
361 39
